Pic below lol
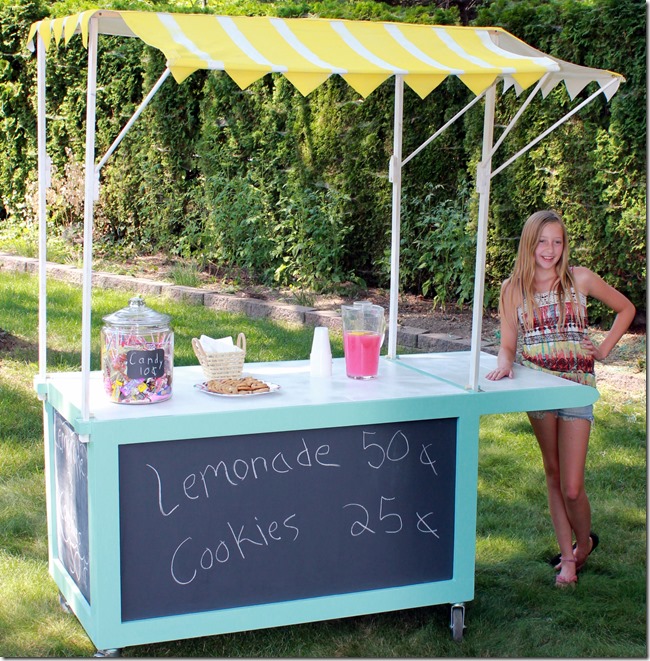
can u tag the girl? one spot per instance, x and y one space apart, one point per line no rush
546 299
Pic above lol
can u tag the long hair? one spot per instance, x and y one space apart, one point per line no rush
518 290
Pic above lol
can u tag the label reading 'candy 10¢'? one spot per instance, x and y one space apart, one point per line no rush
145 364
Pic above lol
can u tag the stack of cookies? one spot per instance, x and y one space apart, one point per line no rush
246 385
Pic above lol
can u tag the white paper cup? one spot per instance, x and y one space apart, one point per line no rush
320 359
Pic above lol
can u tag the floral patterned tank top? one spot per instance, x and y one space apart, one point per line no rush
549 348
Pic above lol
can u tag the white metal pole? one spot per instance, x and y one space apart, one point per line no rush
561 121
131 122
395 176
43 183
91 96
457 116
483 184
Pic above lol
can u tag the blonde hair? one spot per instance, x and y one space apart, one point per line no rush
518 290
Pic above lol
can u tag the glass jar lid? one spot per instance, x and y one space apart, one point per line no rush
136 313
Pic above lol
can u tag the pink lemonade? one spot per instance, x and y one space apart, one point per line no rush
361 353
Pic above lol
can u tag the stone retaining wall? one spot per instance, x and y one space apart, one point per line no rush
414 338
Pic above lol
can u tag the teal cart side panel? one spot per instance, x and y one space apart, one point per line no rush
466 506
50 501
67 584
58 399
71 489
104 500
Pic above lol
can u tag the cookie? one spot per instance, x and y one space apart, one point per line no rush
243 386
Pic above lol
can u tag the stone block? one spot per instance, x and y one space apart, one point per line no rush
330 318
289 313
192 295
407 336
65 272
441 342
142 286
12 262
234 304
31 264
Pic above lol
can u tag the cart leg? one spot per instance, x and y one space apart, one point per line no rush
457 622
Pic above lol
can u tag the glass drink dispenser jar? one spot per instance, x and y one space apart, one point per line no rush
137 354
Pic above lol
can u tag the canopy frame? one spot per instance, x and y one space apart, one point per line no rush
485 173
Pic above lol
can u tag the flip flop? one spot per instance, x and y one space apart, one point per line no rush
555 560
594 544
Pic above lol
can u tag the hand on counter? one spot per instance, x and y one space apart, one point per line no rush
499 373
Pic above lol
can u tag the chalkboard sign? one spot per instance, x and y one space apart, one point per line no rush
230 521
145 364
71 491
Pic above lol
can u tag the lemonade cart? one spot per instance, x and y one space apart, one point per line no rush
328 497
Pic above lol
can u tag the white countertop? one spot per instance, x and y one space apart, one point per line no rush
407 377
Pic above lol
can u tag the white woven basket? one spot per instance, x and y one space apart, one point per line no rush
219 365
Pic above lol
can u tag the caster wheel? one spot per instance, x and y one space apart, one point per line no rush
457 624
65 607
107 653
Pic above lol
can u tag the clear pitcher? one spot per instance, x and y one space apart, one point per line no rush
364 325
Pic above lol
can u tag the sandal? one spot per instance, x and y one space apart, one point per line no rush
555 560
561 581
594 544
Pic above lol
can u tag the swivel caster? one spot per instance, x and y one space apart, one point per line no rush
107 653
65 606
457 622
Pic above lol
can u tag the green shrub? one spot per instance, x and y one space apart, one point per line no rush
296 189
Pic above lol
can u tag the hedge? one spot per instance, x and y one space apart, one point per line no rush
295 190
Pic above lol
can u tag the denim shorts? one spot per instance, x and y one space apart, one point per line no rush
577 413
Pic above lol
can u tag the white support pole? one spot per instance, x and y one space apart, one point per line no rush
131 122
43 183
91 96
395 176
429 140
520 112
483 185
561 121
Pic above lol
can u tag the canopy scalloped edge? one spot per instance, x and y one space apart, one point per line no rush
307 51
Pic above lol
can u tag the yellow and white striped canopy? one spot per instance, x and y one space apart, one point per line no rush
309 50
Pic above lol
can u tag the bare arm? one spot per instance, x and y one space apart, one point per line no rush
593 285
508 348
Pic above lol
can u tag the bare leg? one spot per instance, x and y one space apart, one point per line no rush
563 444
573 443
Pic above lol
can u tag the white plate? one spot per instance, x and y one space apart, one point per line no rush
273 387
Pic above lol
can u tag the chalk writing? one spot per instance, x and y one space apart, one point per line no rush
396 450
145 364
387 521
242 540
424 527
229 521
426 460
235 472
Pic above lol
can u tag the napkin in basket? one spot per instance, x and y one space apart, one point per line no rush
221 345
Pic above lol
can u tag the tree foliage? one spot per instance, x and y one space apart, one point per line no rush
296 189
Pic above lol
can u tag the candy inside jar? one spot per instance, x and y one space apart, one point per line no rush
137 355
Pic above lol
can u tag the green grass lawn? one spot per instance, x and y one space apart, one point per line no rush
516 611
